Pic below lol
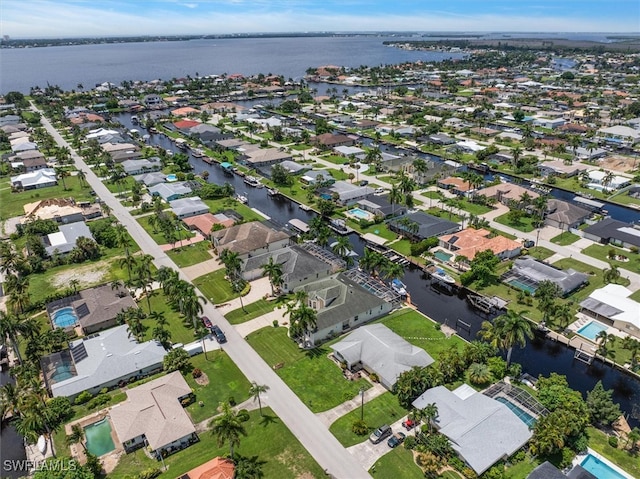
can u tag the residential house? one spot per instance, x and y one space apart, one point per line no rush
481 430
531 272
96 309
330 140
380 206
249 239
456 185
170 191
185 207
299 267
204 223
146 165
216 468
60 210
506 192
319 177
422 225
612 305
350 152
263 156
610 231
63 241
151 179
42 178
348 193
551 123
378 350
153 101
564 215
341 304
560 168
102 360
469 242
605 181
619 135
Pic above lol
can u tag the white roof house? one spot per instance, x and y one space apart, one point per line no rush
596 180
35 179
482 430
185 207
619 135
64 240
381 351
612 302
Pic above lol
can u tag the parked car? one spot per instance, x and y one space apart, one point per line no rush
529 244
364 183
218 334
380 434
409 424
396 439
380 191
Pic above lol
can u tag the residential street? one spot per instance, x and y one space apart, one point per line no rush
309 430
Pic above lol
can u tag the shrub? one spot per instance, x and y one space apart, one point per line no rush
232 401
243 415
99 400
359 428
150 473
374 377
613 441
275 323
410 443
83 397
567 457
196 373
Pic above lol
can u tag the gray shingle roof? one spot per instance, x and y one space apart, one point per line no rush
536 271
610 229
296 263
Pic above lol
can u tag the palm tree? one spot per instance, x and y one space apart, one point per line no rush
128 262
563 314
190 305
160 332
301 316
612 274
10 327
227 427
342 246
479 373
395 197
633 345
514 329
76 436
607 180
255 391
604 341
516 153
430 412
82 177
274 272
248 467
62 174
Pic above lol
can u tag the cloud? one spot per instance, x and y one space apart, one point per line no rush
190 5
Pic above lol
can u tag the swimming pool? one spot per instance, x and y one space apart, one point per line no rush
63 318
601 468
442 256
520 285
99 440
359 213
62 372
523 415
171 178
591 330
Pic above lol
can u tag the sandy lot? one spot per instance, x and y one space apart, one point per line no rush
623 164
87 275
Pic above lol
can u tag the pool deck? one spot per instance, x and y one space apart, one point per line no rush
110 460
581 457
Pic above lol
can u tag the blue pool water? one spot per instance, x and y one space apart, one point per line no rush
65 317
520 285
358 213
62 372
98 434
600 469
442 256
591 330
524 416
172 177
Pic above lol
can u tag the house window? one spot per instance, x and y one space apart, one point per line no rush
355 318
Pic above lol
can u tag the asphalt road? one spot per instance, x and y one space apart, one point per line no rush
304 425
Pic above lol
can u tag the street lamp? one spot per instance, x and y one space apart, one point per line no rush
362 404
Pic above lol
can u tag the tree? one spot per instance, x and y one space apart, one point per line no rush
274 272
411 384
604 341
430 414
63 468
62 174
612 274
255 391
602 409
227 427
302 318
514 329
76 436
177 360
248 467
395 197
479 373
633 345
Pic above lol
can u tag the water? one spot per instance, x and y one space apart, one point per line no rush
65 317
600 469
11 444
442 256
63 372
524 416
67 66
99 440
359 213
523 286
591 330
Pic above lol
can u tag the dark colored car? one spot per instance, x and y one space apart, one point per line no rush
364 183
396 440
380 434
218 334
409 424
529 244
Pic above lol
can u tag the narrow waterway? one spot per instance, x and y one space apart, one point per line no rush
11 444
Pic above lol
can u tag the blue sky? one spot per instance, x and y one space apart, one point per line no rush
72 18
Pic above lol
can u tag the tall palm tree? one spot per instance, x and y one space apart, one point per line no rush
10 327
514 329
633 345
430 412
604 341
612 274
395 197
227 427
128 262
516 153
190 304
302 317
249 467
274 272
255 390
342 246
76 436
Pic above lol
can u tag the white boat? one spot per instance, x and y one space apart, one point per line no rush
304 207
442 275
253 181
399 287
242 199
42 445
272 191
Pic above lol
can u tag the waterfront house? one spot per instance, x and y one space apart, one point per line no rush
250 239
153 416
348 193
604 181
258 157
469 242
612 305
380 206
527 273
506 192
42 178
170 191
456 185
421 226
619 135
564 215
151 179
205 222
146 165
216 468
378 350
329 140
185 207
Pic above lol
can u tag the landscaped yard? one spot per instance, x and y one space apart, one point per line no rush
225 381
398 463
377 229
158 237
215 287
254 310
420 331
12 203
381 410
317 380
598 442
191 254
267 438
524 224
565 238
601 252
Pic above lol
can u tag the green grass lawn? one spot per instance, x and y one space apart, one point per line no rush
338 174
522 469
565 238
336 159
214 287
316 379
525 223
598 442
398 463
381 410
158 237
225 381
221 204
625 199
636 296
191 254
473 208
420 331
12 203
377 229
267 438
402 246
180 332
253 310
601 252
540 252
126 185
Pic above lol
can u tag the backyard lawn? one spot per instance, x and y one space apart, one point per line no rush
215 287
191 254
225 381
267 437
598 442
222 204
601 252
397 462
540 252
565 238
317 380
383 409
254 310
377 229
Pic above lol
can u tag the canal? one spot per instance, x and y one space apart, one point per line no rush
541 356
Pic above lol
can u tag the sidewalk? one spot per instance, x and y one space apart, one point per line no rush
330 416
200 269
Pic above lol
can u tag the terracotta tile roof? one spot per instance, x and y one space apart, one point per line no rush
216 468
469 242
